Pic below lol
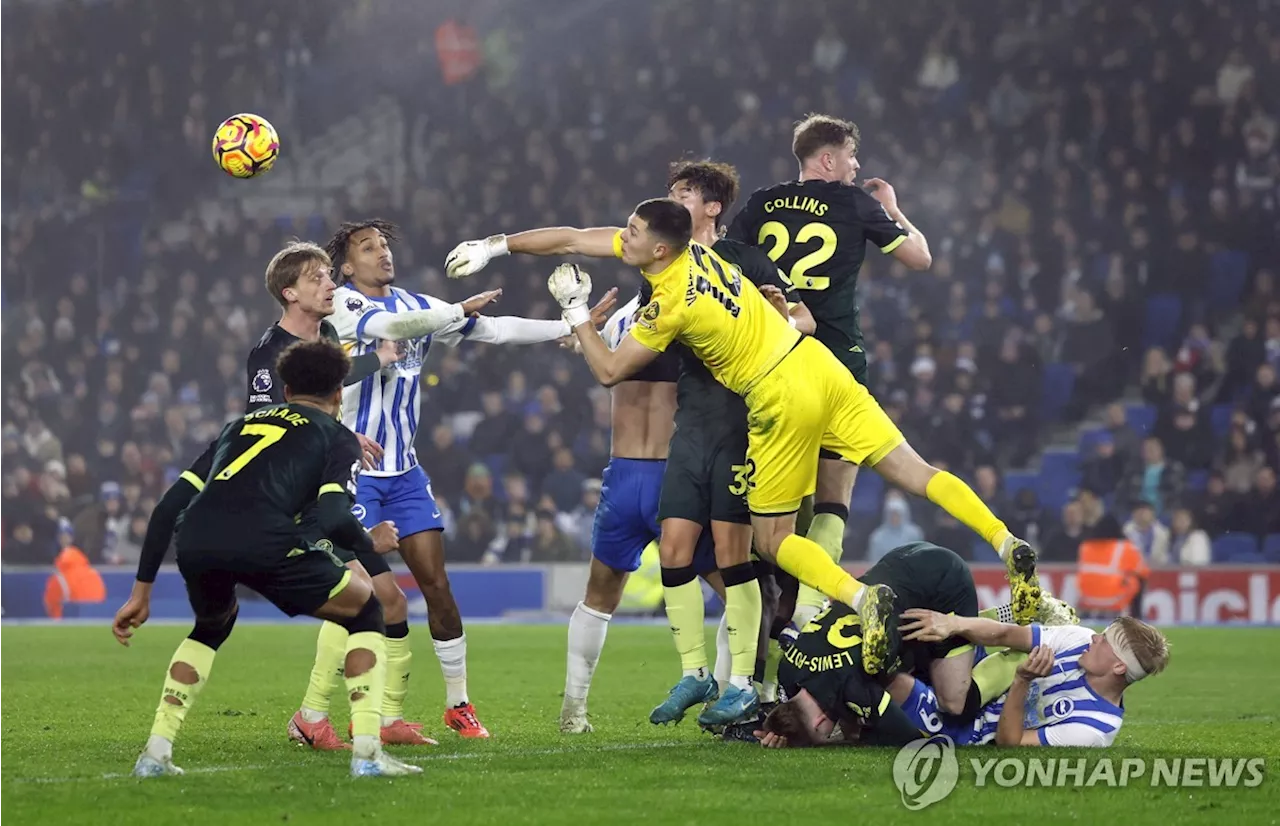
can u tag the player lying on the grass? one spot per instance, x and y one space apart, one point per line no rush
385 408
799 397
1069 691
642 416
240 529
822 674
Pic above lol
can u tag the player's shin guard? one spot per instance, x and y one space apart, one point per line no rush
587 631
948 492
686 614
452 655
995 673
742 614
188 671
365 691
399 657
805 560
331 647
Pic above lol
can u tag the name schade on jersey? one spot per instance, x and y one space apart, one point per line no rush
820 663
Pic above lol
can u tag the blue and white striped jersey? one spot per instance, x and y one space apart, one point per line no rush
386 407
1062 707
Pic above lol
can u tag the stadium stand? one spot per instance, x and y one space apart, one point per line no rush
1103 214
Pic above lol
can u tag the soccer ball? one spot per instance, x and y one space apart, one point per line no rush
245 145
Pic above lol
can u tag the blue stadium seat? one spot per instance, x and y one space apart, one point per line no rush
1236 547
1163 320
1055 390
1197 480
868 493
1142 418
1271 547
1228 272
1220 419
1016 480
1089 439
1059 475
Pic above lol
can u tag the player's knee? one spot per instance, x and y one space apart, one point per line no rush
368 619
952 698
395 608
213 632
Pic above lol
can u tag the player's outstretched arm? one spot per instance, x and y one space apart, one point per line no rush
923 625
571 287
469 257
517 330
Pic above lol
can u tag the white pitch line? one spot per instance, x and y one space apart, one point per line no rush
474 755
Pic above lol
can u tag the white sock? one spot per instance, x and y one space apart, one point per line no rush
453 663
366 747
767 692
741 681
159 748
587 630
724 660
310 715
699 674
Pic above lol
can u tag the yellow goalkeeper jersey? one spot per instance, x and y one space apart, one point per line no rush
704 302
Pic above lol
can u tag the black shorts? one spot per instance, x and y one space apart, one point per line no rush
857 364
372 562
297 580
924 575
707 474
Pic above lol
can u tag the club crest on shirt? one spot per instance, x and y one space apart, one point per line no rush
261 381
649 315
355 305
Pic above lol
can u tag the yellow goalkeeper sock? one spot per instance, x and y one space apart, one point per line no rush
805 560
399 657
995 673
948 492
686 614
331 647
365 690
188 671
742 609
826 529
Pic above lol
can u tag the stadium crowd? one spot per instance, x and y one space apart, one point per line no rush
1100 187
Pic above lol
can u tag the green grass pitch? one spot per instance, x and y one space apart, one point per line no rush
77 708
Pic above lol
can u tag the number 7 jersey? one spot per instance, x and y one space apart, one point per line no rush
817 233
263 472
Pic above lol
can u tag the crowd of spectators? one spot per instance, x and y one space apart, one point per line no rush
1069 162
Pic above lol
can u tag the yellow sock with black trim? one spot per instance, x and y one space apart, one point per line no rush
686 613
365 691
326 671
742 608
179 693
805 560
949 492
399 657
995 673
